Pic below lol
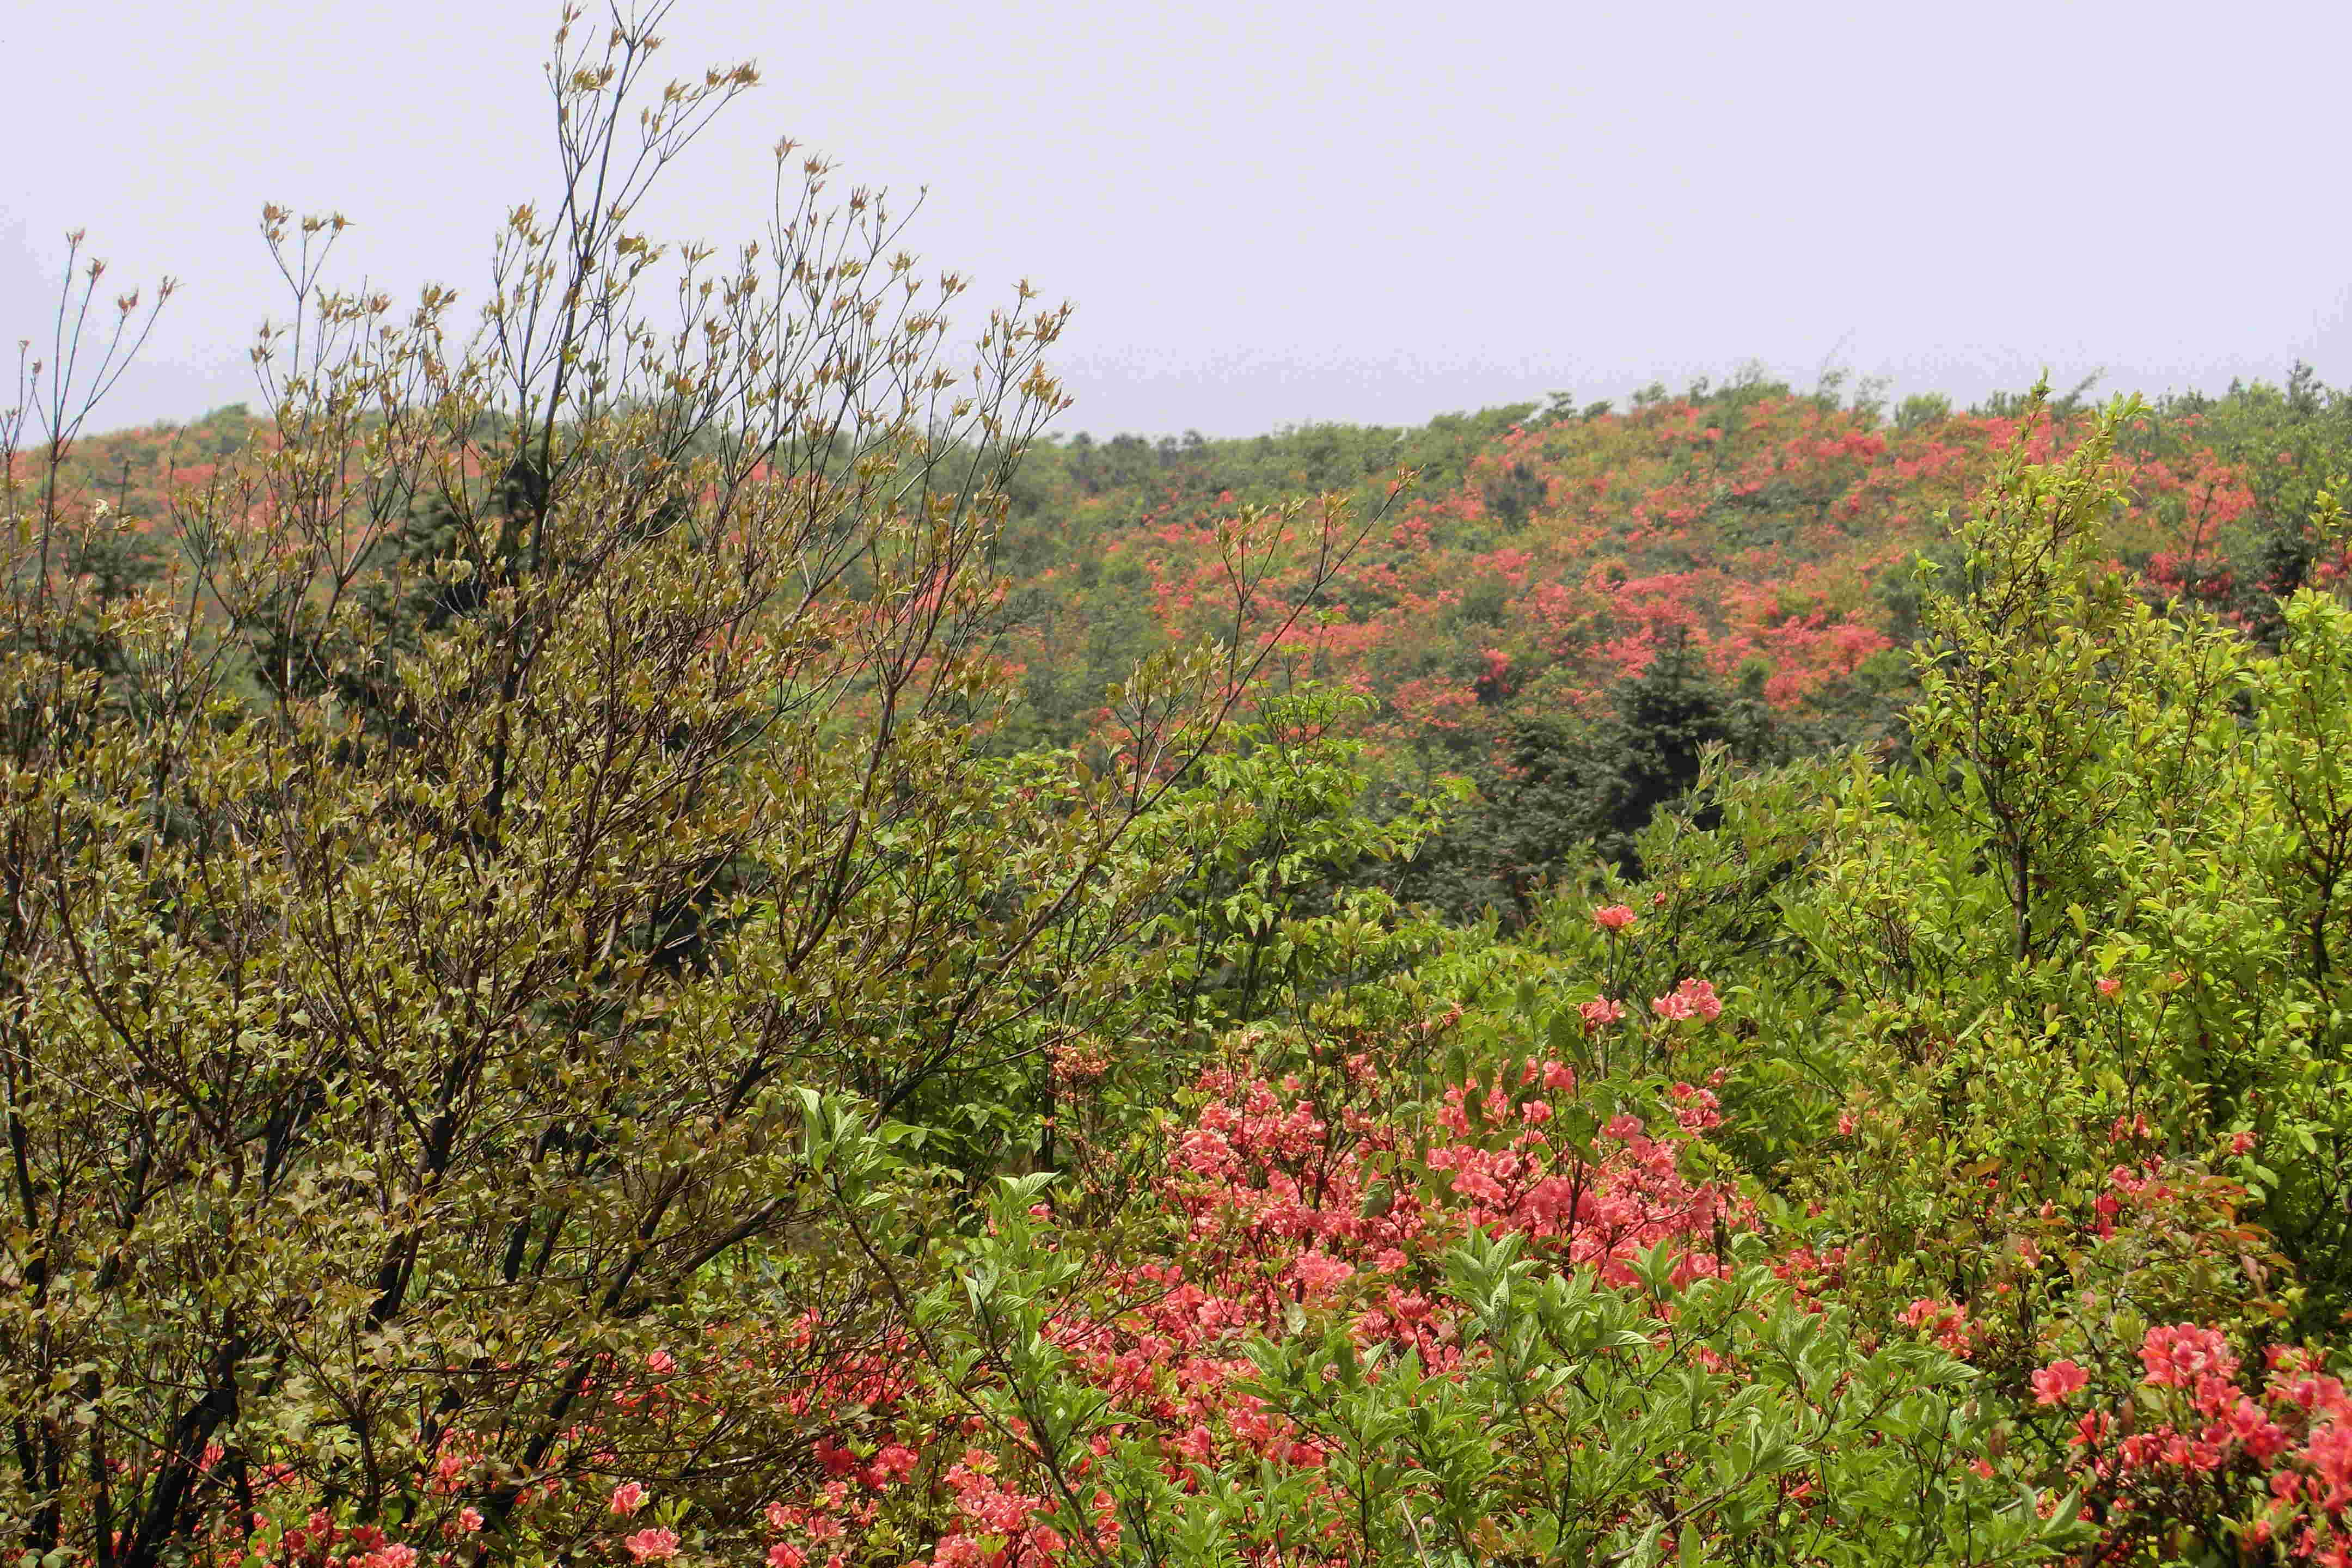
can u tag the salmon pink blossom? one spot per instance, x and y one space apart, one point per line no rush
1692 999
2183 1354
2054 1384
652 1545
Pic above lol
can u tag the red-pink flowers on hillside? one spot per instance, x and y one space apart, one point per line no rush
2289 1443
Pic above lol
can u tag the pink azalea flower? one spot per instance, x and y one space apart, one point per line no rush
652 1545
2054 1383
1692 999
2180 1355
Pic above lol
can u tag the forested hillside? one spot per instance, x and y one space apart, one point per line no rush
1569 607
628 943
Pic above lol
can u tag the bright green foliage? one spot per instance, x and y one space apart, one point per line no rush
2037 657
2304 724
1278 917
1586 1431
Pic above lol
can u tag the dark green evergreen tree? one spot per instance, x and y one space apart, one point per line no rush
1571 793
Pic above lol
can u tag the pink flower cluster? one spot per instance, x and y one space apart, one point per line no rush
2293 1435
320 1540
844 1508
2185 1357
1020 1520
2058 1382
1294 1195
1946 1322
1691 999
652 1545
1078 1062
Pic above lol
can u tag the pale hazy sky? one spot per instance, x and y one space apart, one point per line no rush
1289 212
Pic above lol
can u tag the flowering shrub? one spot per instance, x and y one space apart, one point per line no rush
1456 1412
1359 1284
2198 1455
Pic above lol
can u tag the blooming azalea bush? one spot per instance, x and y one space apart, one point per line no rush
1345 1440
1358 1275
2195 1449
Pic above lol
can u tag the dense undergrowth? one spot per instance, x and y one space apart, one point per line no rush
641 944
